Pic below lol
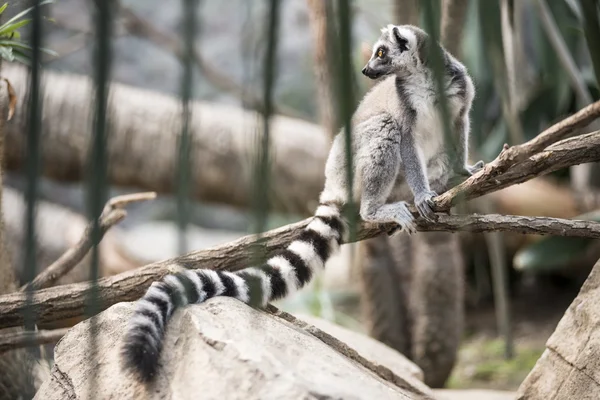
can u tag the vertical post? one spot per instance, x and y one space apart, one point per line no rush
184 166
33 158
263 163
98 158
346 100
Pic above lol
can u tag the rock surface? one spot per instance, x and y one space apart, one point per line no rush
473 394
371 349
221 349
570 366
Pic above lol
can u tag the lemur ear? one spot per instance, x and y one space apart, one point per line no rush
402 42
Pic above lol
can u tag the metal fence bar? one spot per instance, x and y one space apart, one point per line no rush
33 158
346 101
98 158
262 166
184 166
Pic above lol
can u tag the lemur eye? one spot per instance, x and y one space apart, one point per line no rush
380 53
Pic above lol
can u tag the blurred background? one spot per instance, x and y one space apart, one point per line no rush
472 310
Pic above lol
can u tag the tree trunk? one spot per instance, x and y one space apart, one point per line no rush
320 13
143 137
454 14
406 12
436 304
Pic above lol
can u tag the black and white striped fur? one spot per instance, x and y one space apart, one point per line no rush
281 275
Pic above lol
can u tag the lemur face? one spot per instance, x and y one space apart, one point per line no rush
393 52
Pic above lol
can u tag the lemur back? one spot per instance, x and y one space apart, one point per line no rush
397 148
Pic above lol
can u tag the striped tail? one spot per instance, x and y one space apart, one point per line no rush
281 275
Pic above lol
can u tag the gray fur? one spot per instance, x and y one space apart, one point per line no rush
398 140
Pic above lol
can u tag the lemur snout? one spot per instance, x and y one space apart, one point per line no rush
370 73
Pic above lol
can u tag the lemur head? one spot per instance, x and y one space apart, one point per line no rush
398 50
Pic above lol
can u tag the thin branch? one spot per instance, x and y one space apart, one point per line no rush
21 339
112 214
516 154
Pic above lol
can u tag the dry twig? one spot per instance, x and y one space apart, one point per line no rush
112 214
513 155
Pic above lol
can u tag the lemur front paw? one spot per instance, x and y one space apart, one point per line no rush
404 218
424 204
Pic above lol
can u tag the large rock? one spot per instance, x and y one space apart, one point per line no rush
221 349
371 349
570 366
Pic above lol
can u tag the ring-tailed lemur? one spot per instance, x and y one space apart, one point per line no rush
398 143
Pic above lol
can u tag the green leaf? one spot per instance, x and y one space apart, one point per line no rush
7 29
7 53
23 13
3 8
14 43
21 57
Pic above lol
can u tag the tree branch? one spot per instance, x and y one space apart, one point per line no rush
516 154
112 214
573 151
62 302
59 303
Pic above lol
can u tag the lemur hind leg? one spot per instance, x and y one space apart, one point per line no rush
378 176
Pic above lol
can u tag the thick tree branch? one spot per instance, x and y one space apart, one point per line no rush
112 214
62 302
516 154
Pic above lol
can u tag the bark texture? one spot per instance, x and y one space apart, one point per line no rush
454 14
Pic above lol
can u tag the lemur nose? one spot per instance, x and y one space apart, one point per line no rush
364 71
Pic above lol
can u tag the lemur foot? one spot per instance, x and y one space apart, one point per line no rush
462 171
471 169
404 218
424 204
